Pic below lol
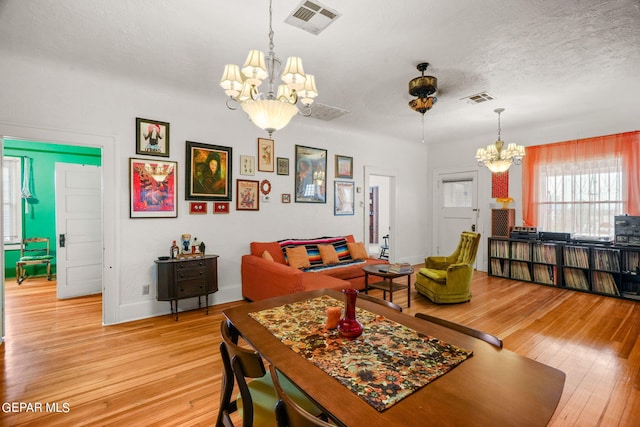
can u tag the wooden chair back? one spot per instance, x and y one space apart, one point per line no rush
288 412
238 364
380 301
491 339
33 251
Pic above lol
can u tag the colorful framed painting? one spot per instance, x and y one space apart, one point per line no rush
152 188
311 172
247 165
265 155
247 195
500 184
343 198
196 208
344 167
282 165
152 137
208 172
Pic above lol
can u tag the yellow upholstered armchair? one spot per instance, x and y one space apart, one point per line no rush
448 279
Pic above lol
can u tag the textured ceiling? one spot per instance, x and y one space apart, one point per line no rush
544 61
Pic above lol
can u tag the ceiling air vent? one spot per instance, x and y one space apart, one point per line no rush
478 98
326 112
312 17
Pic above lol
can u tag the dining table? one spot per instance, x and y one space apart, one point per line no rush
446 378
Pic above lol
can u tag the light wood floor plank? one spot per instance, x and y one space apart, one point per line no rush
159 372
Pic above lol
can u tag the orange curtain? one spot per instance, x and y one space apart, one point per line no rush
625 145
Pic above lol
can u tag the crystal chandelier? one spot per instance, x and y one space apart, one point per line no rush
269 110
495 157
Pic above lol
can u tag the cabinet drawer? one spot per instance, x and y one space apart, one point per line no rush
190 273
187 265
192 287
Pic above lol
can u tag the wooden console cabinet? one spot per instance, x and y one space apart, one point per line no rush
187 278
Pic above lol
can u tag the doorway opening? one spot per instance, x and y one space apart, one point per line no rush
380 213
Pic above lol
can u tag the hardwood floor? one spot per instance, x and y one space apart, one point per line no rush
158 372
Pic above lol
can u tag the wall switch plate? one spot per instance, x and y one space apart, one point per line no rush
145 289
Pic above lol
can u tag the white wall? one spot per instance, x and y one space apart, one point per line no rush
45 98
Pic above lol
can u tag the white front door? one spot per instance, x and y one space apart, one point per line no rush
457 205
79 230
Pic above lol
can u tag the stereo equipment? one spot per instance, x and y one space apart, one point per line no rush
524 233
555 237
627 230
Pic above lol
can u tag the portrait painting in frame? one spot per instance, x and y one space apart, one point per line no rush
311 171
152 137
208 172
343 198
152 188
247 195
265 155
344 167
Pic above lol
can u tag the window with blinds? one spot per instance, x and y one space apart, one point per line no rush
11 202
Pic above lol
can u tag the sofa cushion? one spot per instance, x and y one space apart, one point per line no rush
297 257
328 254
357 250
267 255
257 249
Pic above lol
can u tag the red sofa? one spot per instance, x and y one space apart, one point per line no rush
263 278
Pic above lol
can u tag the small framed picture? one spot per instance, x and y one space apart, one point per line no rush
286 198
152 137
152 188
220 207
247 195
265 155
282 165
196 208
344 167
343 198
247 165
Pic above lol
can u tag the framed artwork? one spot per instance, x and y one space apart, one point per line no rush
152 137
220 207
265 155
286 198
197 208
311 171
152 188
208 172
500 184
282 165
344 167
343 198
247 165
247 195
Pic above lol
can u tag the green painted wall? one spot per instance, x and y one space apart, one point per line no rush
40 220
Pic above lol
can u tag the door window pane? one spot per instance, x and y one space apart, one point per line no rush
457 194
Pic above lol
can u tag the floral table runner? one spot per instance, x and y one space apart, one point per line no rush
387 363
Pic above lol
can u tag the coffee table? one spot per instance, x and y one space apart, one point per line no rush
387 284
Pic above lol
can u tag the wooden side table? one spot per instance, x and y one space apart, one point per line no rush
387 284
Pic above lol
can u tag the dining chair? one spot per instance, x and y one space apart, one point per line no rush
491 339
288 412
257 398
380 301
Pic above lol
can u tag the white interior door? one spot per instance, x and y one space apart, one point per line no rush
79 245
457 205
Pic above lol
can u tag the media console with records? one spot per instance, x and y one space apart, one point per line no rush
555 259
